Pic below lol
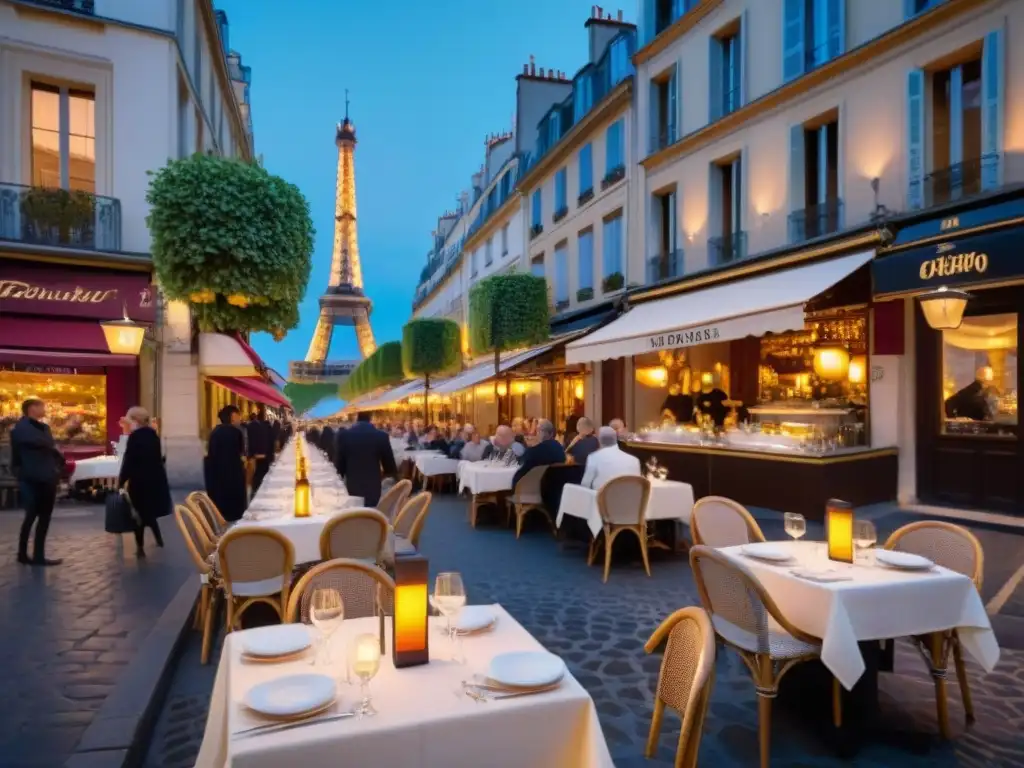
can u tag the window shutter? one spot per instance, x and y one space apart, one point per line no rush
797 170
908 9
915 138
743 74
835 11
671 121
714 79
648 21
794 34
654 117
993 91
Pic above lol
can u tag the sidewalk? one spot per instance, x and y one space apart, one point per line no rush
69 632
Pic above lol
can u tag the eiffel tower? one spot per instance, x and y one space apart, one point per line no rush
344 302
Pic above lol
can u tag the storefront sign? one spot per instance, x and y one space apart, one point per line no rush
981 258
676 339
50 370
98 294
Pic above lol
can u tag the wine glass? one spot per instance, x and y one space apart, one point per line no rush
326 613
449 599
864 535
364 661
796 525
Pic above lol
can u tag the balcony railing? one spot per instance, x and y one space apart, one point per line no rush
957 182
560 214
727 249
60 217
662 137
77 6
585 196
665 266
614 175
815 221
535 230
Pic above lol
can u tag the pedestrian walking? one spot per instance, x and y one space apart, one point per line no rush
224 467
144 474
261 447
362 454
37 463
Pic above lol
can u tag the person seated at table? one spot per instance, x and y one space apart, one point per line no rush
504 443
460 438
548 451
474 448
413 435
433 441
620 429
363 456
584 443
519 432
609 461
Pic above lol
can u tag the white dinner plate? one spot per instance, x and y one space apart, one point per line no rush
903 560
526 669
764 550
473 618
280 640
291 696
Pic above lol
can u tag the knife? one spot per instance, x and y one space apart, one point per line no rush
259 730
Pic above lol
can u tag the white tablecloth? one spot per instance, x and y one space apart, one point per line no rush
424 719
484 477
96 468
430 464
669 500
878 603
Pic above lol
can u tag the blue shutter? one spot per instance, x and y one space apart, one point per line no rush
671 121
654 115
835 11
908 8
648 22
794 35
741 59
915 138
715 99
993 92
797 170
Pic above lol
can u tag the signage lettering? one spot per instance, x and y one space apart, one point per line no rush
54 370
951 223
683 338
16 289
954 264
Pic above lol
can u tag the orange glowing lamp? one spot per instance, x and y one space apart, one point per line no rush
302 497
839 527
409 629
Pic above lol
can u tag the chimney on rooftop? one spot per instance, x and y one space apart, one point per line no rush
618 16
533 66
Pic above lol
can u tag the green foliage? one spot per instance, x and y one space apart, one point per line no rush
508 311
232 239
386 364
613 282
305 396
431 347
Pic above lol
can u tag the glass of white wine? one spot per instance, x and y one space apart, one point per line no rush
364 661
449 599
326 613
795 524
864 538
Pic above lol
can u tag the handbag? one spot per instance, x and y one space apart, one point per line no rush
120 516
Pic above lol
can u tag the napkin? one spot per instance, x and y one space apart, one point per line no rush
823 577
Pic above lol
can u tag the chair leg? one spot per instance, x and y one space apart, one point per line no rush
592 551
765 693
937 647
961 677
519 519
208 619
837 703
642 534
609 540
229 610
197 618
652 736
472 512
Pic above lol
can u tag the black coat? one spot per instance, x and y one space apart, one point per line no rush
261 438
225 472
542 454
143 469
583 448
34 454
362 453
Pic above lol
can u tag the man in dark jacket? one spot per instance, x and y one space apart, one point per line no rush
362 455
37 464
547 451
260 446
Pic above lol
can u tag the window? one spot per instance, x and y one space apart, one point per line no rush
537 265
956 131
614 153
474 268
727 187
200 142
184 115
561 276
666 260
504 241
814 159
620 59
726 70
914 7
582 95
979 376
586 161
489 252
63 137
197 54
664 110
554 128
814 32
536 214
665 12
561 206
611 236
585 265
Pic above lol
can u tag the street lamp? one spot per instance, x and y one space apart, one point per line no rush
123 336
944 308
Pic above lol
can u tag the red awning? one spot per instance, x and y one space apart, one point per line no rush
253 389
67 359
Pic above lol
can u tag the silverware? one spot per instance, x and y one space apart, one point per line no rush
259 730
488 696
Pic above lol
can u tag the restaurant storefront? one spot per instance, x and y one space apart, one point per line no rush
755 384
964 369
53 347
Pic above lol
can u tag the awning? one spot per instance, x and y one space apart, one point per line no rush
40 357
771 303
253 388
484 371
221 354
384 399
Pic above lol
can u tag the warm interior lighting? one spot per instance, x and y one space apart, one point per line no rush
655 376
502 389
302 500
839 525
831 363
985 373
578 391
123 336
707 379
944 308
409 629
857 371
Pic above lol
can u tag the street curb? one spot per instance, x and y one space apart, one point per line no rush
120 732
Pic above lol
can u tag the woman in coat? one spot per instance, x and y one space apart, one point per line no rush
142 470
225 465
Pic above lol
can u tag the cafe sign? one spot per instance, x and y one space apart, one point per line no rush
687 338
97 294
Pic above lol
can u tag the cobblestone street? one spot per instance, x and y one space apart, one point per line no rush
68 632
600 630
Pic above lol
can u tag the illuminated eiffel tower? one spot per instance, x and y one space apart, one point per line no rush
344 302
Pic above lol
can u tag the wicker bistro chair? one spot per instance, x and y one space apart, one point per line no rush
199 502
191 531
746 619
622 502
526 498
410 521
256 567
392 502
956 548
721 522
685 681
359 534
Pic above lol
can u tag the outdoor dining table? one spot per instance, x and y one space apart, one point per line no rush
97 468
423 716
669 500
484 478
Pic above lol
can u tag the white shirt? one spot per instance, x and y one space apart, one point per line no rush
607 464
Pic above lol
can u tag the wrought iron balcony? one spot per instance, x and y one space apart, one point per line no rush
815 221
560 214
662 137
561 304
727 249
77 6
665 266
585 196
957 182
616 174
60 217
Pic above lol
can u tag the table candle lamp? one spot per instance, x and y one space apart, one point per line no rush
302 497
409 629
839 527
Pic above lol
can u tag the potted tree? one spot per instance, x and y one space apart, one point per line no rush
430 347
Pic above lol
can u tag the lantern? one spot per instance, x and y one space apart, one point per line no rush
302 497
655 376
409 628
858 370
502 389
578 391
944 308
831 363
839 530
123 336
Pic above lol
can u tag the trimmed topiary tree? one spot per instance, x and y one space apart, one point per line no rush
305 396
508 311
430 347
386 363
233 240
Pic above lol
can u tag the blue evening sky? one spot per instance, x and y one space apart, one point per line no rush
428 81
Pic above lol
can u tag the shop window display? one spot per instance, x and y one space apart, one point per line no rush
979 377
76 404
